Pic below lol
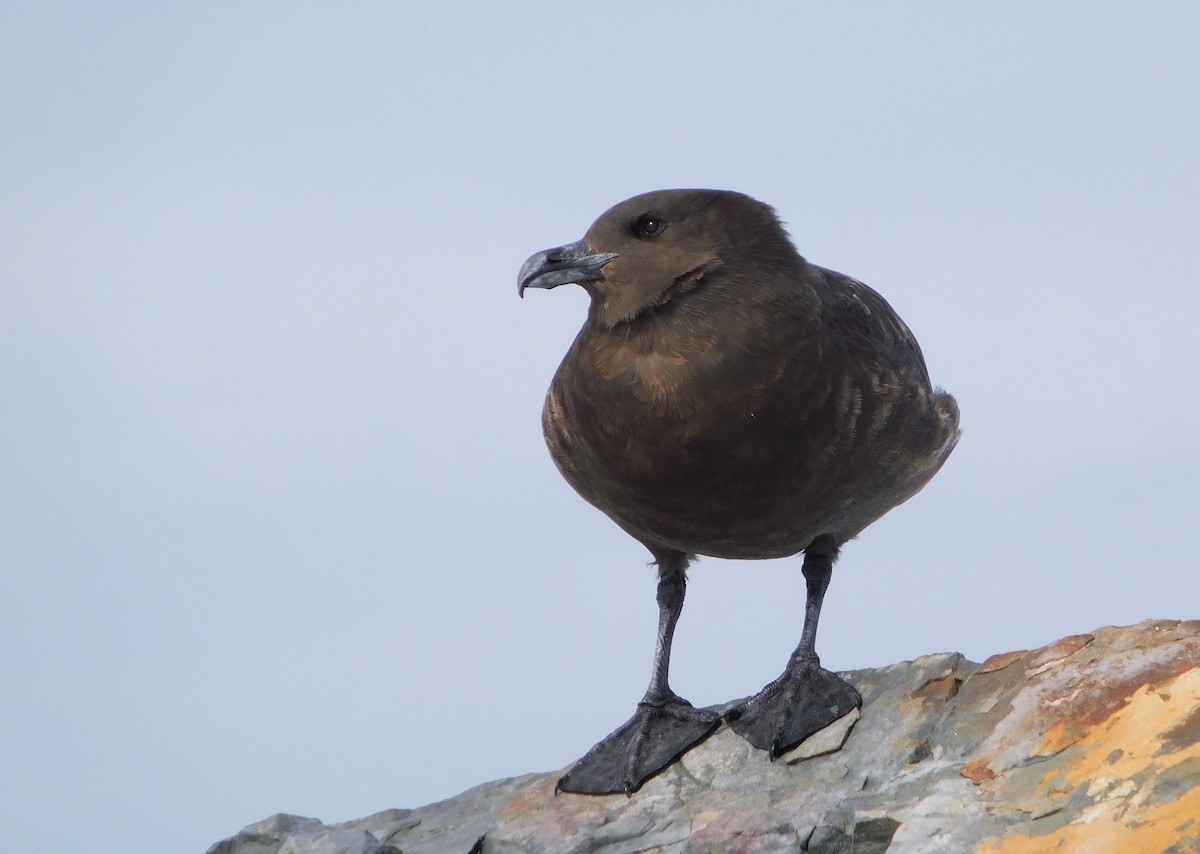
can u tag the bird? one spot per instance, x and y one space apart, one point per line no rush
726 398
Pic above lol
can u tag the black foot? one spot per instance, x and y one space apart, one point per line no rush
799 703
656 735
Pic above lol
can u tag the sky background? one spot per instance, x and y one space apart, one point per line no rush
278 531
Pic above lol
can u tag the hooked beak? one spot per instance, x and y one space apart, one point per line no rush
553 267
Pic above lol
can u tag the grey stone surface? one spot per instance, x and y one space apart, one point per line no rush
1090 743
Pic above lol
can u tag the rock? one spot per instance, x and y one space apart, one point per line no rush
293 834
1089 744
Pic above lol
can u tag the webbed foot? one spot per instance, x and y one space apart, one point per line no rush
656 735
801 702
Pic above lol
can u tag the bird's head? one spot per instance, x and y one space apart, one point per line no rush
648 250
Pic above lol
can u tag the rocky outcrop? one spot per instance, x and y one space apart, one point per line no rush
1089 744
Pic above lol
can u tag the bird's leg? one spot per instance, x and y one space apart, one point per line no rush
672 587
664 726
807 697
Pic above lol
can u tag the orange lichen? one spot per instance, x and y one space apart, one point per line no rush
1116 762
978 772
1107 831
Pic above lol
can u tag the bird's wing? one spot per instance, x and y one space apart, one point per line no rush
870 328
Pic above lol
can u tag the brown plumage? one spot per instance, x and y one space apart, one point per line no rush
727 398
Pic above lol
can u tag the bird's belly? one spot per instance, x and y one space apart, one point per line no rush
748 488
723 496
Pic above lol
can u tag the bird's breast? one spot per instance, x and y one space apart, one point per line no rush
676 446
654 377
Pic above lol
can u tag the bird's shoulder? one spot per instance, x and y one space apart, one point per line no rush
867 326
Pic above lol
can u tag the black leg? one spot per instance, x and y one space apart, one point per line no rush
664 726
807 697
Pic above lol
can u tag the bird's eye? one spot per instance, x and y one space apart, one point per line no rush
649 225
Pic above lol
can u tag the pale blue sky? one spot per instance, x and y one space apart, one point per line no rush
277 528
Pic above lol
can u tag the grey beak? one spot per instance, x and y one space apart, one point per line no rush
553 267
